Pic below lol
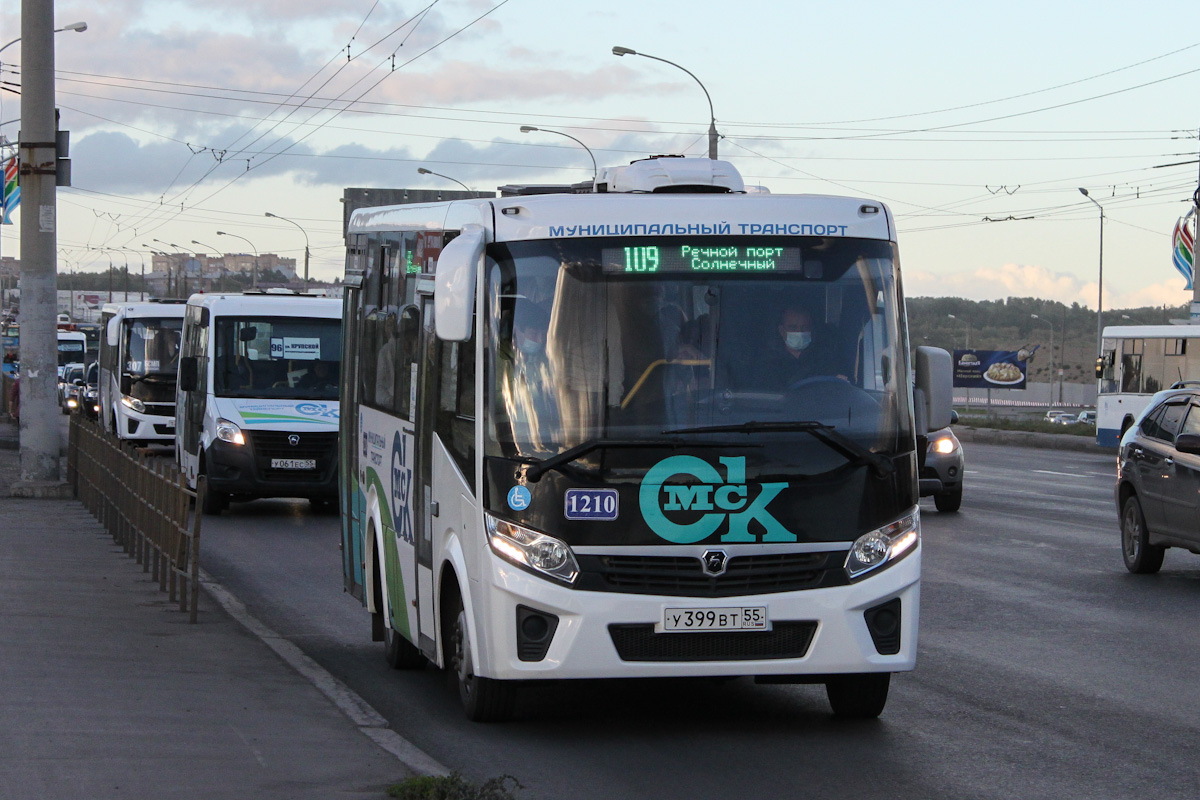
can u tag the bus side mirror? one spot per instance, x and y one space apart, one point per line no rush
933 392
189 378
113 333
454 287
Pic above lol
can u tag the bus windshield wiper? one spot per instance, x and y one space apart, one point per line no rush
826 434
540 468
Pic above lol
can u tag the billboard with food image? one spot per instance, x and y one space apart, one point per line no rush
990 369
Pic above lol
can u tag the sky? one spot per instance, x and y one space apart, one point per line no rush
976 123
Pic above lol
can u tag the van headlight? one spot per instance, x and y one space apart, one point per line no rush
133 403
229 432
884 545
528 548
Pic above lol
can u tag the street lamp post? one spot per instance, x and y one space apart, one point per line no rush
966 346
210 248
423 171
285 219
1099 280
166 256
181 282
39 431
595 169
1051 324
254 275
712 125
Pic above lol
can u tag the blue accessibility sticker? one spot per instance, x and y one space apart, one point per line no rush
519 498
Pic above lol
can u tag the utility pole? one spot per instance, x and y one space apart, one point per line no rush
39 352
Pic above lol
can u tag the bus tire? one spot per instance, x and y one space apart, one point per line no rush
1141 557
858 696
483 699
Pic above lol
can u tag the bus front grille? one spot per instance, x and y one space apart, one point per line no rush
641 643
268 445
684 576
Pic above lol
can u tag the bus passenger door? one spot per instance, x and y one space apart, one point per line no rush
425 380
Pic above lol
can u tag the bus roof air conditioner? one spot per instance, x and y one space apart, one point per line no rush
664 174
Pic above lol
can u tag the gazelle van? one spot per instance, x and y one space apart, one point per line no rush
257 401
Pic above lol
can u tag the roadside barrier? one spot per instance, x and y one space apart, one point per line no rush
144 504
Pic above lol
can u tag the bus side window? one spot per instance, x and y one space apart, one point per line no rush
408 331
455 422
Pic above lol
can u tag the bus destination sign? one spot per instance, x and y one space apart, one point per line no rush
653 258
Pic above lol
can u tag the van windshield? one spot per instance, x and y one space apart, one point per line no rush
278 357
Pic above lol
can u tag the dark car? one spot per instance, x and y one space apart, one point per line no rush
1158 480
942 470
89 396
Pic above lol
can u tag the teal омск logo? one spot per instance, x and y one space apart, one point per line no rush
723 499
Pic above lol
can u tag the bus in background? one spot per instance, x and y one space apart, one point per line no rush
257 401
72 349
1135 362
139 359
658 427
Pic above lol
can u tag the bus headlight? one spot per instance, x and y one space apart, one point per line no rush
883 545
229 432
133 403
528 548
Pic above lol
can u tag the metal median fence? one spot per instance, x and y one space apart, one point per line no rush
145 505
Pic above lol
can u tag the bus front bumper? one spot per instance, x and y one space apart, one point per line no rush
610 635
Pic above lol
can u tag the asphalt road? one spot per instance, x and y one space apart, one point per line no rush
1045 670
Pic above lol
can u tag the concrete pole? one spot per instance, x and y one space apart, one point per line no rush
39 340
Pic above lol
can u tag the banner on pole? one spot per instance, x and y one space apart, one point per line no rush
12 191
1183 250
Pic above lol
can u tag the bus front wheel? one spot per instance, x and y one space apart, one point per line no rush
858 696
483 699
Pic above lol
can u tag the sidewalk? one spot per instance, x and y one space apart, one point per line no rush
107 692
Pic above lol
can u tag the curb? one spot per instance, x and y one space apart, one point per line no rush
1042 441
369 721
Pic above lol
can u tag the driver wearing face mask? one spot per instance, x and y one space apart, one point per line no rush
795 358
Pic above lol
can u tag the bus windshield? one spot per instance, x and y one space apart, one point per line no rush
278 357
152 347
597 339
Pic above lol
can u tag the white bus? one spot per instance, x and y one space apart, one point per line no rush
72 349
663 428
139 358
1135 362
257 402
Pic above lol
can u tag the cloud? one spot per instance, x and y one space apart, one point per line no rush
1027 280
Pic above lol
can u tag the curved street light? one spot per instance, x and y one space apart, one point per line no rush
1051 324
423 171
215 250
78 27
285 219
712 125
254 275
595 169
1099 280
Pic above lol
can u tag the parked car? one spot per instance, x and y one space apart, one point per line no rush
1158 480
942 472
